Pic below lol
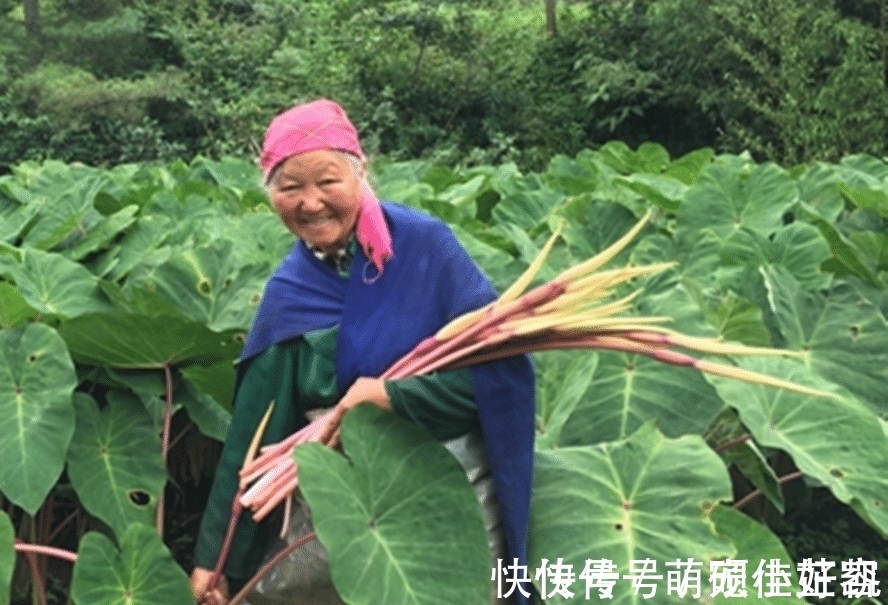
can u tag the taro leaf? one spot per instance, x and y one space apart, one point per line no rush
629 390
463 193
61 215
227 172
798 247
259 238
678 292
7 556
208 286
846 255
14 310
874 246
650 157
592 226
725 200
754 543
215 380
645 497
726 434
844 336
525 205
144 237
150 387
662 191
819 192
211 418
569 176
142 342
53 285
142 572
564 377
115 462
400 521
838 441
15 221
863 170
874 199
739 320
36 418
102 233
688 167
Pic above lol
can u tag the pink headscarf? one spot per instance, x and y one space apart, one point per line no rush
323 124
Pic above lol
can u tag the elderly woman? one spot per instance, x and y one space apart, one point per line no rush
363 285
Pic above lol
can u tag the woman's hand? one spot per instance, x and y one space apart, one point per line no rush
200 580
364 389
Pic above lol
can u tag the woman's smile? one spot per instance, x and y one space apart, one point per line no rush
318 197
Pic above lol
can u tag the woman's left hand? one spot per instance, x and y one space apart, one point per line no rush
371 390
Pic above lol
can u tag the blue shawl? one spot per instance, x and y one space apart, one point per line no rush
429 281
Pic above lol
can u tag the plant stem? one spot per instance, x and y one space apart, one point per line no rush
236 509
753 495
49 551
60 526
181 434
165 442
37 585
733 443
271 565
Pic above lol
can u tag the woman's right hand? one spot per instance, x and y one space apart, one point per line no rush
200 581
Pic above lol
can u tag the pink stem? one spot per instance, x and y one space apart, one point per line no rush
49 551
441 362
265 569
236 509
538 296
419 350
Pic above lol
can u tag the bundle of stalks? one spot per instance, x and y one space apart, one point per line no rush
566 313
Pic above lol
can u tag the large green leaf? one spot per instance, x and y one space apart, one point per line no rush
725 200
142 572
398 517
726 433
14 310
62 209
838 442
36 418
819 191
664 192
209 286
143 238
754 543
798 247
847 257
526 203
103 232
738 319
629 390
645 497
53 285
844 337
126 340
563 377
7 556
115 462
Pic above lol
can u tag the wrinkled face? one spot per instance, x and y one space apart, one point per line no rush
318 196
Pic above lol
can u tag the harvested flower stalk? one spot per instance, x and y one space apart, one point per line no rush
565 313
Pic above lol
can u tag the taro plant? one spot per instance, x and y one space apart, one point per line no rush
125 294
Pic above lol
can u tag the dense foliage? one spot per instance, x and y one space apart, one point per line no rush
459 81
125 294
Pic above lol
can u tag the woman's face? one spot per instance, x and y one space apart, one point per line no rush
318 196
